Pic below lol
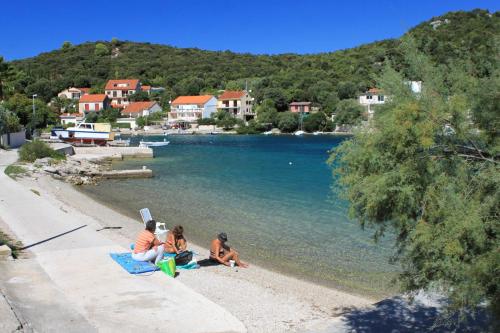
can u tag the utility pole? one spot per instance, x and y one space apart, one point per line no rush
33 121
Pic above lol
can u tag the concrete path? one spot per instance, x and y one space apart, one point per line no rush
78 274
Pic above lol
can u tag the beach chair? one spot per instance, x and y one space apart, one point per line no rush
161 229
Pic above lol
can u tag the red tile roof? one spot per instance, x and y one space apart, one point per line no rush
192 99
137 107
300 103
229 94
145 88
131 84
85 90
93 98
374 90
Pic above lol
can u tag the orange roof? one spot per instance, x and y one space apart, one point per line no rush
145 88
93 98
131 84
85 90
229 94
137 107
192 99
374 90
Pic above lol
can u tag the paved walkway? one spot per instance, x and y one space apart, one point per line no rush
77 279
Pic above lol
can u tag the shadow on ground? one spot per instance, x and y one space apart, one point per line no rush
397 314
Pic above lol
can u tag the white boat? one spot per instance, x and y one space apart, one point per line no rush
147 144
268 133
317 133
299 133
85 133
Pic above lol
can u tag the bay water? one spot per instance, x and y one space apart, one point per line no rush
274 196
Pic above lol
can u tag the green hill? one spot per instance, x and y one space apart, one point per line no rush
321 78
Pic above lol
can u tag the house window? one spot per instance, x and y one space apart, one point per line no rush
96 106
369 97
380 98
87 107
114 93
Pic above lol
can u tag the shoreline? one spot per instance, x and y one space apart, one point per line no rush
263 299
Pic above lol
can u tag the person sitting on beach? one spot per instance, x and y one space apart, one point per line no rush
176 243
222 253
147 246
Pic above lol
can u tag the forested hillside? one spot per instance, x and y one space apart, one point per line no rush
321 78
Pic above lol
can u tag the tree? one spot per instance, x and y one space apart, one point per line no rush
266 112
9 122
346 90
91 117
101 50
4 67
348 112
423 170
315 122
66 46
140 96
288 121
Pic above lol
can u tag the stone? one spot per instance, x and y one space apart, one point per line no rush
5 252
50 169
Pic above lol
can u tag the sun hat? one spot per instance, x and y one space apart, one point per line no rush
222 237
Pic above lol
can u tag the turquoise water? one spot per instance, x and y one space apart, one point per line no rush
272 196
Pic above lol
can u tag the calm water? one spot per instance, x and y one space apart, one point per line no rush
272 196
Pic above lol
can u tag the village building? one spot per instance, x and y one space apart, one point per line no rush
73 93
300 107
186 110
119 91
140 109
93 102
373 96
239 104
71 118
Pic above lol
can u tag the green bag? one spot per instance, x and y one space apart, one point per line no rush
167 266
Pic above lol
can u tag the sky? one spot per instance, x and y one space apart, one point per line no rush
29 27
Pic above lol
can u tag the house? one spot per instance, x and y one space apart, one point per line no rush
93 102
188 109
146 89
237 103
71 118
140 109
118 91
73 93
300 107
373 96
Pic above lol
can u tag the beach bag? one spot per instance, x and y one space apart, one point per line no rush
183 258
167 266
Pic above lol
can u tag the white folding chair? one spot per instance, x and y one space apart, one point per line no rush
161 229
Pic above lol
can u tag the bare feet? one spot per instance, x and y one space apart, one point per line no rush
243 265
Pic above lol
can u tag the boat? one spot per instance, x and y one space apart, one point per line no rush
268 133
299 133
317 133
84 133
147 144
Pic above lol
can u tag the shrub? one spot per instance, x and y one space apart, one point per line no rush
14 170
206 121
31 151
288 122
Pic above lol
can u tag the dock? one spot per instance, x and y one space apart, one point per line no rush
120 174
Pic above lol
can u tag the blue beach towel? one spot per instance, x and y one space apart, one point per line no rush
191 265
132 266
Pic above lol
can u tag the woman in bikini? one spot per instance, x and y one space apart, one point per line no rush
176 243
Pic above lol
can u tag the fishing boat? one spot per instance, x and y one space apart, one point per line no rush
147 144
299 133
84 133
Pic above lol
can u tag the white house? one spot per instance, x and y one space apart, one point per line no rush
118 91
93 102
71 118
374 96
188 109
73 93
239 104
140 109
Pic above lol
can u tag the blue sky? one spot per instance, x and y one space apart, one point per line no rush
30 27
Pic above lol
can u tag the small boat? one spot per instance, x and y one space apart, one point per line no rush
317 133
85 133
147 144
299 133
268 133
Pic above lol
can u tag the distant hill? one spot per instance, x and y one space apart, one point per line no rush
321 78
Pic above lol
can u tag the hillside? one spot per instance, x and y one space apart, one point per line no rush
321 78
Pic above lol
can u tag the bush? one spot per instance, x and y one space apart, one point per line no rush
31 151
288 121
206 121
14 170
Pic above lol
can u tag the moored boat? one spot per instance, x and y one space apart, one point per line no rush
85 133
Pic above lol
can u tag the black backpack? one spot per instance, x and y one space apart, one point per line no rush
183 258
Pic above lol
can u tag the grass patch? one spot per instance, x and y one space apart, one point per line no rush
34 150
14 171
35 191
14 245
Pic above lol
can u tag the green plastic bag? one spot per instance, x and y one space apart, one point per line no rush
167 266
